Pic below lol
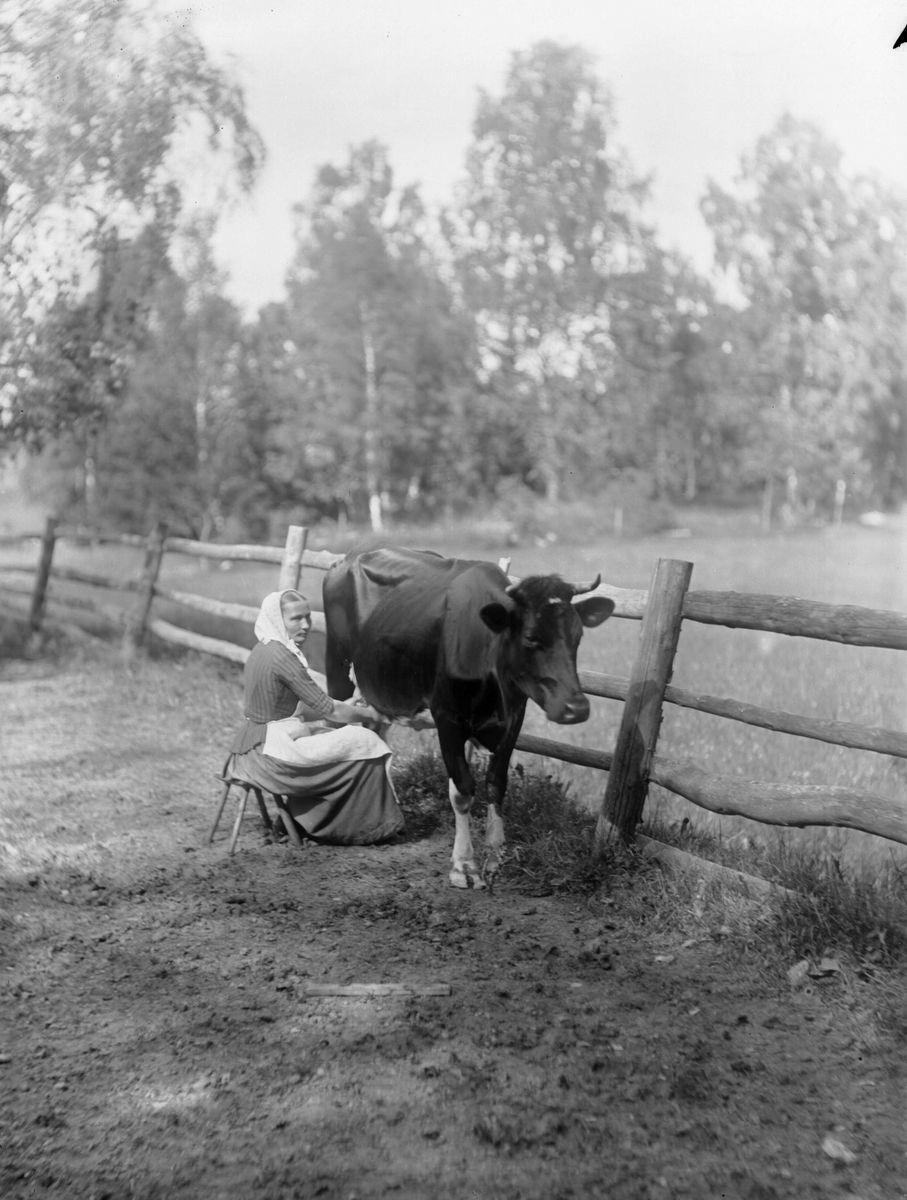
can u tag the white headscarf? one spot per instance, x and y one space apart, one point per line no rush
269 626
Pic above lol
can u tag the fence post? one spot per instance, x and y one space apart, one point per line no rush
39 595
291 566
135 625
628 779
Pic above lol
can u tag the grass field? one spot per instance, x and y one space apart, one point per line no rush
851 565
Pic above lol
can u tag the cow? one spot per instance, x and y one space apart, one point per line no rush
414 630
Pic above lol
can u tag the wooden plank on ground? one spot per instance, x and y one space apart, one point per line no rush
672 857
377 989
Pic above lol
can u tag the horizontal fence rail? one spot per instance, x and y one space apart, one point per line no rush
848 624
214 608
264 554
770 803
838 733
178 636
792 804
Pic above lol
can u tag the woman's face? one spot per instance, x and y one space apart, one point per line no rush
297 620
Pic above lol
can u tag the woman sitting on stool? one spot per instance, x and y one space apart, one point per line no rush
299 743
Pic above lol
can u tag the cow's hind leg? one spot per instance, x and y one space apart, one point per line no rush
463 870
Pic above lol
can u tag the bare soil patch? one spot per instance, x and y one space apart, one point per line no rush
158 1041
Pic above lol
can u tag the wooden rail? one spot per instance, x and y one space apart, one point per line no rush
771 803
213 608
783 803
849 624
92 579
263 554
837 733
196 641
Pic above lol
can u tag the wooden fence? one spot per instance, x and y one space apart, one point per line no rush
634 763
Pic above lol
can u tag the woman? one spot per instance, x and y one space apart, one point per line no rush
336 780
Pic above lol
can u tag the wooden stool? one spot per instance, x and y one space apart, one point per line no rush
245 787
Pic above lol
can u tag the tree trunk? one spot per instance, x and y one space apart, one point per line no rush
690 486
90 480
370 433
767 499
547 450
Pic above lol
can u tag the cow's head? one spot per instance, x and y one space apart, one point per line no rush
541 624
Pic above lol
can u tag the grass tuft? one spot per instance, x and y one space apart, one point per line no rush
421 786
550 839
860 918
829 910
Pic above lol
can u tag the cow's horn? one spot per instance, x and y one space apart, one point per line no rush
580 588
512 589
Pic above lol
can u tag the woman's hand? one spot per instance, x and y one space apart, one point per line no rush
356 714
368 716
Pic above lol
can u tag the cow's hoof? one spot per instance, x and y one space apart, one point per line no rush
466 876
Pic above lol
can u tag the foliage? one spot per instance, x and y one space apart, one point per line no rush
100 105
532 348
545 233
374 355
819 257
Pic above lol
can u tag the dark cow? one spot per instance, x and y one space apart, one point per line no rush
455 636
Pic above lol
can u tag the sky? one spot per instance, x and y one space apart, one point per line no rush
696 82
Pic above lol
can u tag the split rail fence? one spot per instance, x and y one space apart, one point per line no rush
634 763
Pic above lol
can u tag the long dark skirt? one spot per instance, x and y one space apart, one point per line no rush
347 803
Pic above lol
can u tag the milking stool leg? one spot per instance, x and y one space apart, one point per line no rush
220 808
262 809
239 816
288 822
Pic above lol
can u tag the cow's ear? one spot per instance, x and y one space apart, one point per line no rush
594 610
496 616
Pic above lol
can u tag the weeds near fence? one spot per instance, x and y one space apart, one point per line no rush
550 839
863 918
828 911
551 849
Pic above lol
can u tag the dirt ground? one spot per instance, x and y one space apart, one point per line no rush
157 1037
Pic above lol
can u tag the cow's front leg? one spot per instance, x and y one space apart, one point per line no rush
463 870
494 843
494 829
496 788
